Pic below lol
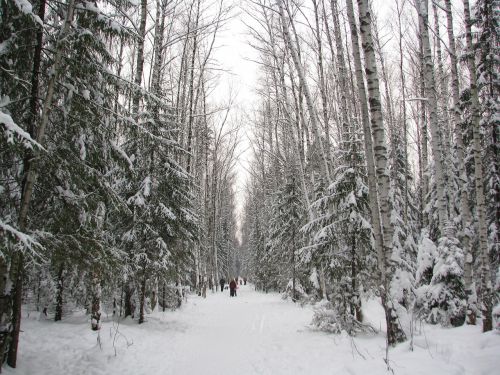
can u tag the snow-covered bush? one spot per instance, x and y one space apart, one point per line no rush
444 300
300 293
328 318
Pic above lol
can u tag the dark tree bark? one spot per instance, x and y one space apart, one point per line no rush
59 293
17 263
142 299
95 315
128 306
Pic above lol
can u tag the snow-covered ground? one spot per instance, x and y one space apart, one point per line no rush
253 333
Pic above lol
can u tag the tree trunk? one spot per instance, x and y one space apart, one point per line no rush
139 64
486 287
403 110
370 163
5 307
305 87
95 314
424 140
394 331
142 297
355 300
192 102
59 293
322 81
17 262
436 139
346 113
129 306
462 173
164 295
443 93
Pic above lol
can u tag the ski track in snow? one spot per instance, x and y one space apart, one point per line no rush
254 333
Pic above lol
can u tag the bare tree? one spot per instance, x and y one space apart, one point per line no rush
394 332
486 287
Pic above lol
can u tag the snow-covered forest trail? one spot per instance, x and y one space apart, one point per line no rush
254 333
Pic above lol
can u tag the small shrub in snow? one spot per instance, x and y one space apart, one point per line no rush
444 300
300 293
328 318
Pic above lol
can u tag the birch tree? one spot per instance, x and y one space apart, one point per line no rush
462 174
486 287
394 331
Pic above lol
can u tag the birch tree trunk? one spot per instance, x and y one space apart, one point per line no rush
403 108
136 98
394 332
303 83
345 109
486 287
158 48
322 82
436 139
191 96
462 173
423 139
370 163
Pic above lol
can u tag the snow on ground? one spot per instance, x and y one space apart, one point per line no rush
253 333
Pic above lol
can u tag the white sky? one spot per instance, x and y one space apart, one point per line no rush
234 53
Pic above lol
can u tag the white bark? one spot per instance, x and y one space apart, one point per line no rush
322 82
305 86
436 139
486 287
370 163
403 108
462 174
394 332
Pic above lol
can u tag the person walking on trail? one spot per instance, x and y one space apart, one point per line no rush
232 288
222 283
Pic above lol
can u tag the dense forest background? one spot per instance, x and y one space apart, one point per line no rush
374 171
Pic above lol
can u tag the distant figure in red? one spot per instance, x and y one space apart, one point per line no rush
232 288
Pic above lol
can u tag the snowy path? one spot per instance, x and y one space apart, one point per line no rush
253 333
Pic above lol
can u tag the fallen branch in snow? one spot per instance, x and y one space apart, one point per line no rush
354 346
99 339
426 342
117 333
389 368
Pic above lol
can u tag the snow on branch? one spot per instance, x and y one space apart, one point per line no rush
11 129
23 239
123 154
25 7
